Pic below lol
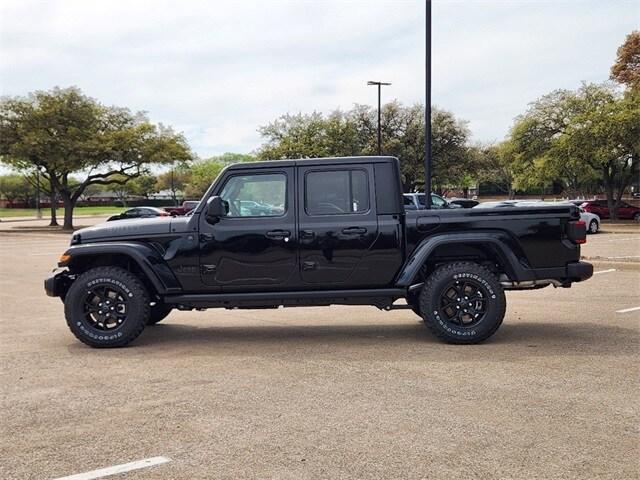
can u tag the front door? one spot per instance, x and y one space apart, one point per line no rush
337 223
255 244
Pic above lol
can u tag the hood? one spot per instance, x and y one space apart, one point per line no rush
123 228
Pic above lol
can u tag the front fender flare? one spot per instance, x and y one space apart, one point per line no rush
514 269
148 259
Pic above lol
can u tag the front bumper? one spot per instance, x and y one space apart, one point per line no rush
57 284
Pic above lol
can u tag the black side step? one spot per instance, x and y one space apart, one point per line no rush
381 298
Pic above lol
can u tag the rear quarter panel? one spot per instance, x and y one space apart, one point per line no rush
536 235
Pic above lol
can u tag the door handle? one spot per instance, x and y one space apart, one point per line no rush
354 231
307 234
206 237
279 235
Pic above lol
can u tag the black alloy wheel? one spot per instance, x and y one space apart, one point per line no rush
105 308
462 303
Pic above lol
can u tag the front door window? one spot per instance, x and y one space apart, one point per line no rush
256 195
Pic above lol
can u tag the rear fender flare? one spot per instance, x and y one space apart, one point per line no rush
148 259
423 251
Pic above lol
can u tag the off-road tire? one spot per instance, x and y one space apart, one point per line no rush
593 226
158 312
137 307
436 285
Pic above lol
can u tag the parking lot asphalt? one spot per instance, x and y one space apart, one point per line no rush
337 392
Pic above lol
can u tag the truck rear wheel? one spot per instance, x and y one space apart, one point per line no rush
462 303
106 307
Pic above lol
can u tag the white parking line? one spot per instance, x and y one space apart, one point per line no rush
605 271
42 254
625 256
125 467
627 310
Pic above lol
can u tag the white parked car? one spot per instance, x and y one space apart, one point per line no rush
591 220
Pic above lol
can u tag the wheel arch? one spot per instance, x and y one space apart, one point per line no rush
142 260
480 246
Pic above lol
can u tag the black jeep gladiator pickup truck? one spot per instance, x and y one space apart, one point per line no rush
315 232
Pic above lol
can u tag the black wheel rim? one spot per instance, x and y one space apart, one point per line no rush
105 308
463 303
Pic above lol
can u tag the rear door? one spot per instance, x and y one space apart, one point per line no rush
337 223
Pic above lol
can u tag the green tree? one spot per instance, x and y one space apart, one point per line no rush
354 133
144 185
14 187
496 165
64 132
579 137
175 181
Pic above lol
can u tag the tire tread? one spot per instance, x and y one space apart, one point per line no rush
132 282
447 270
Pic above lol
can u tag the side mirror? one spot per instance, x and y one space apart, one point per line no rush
216 208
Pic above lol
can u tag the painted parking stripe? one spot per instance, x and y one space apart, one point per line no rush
125 467
627 310
605 271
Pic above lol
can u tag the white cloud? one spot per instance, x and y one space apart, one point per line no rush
217 70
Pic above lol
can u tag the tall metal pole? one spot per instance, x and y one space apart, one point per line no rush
379 85
379 123
38 211
427 111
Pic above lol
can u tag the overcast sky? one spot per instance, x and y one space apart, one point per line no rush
216 70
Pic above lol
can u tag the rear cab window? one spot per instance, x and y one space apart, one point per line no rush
336 192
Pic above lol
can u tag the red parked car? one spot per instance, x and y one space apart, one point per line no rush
600 208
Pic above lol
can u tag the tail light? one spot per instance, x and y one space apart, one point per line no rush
577 232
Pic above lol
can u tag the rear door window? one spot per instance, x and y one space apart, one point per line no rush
336 192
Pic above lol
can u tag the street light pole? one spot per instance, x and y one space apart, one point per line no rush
427 110
379 85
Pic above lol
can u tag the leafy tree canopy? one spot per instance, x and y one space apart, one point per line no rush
204 172
63 132
354 133
579 137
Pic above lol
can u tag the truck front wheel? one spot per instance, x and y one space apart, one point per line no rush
106 307
462 303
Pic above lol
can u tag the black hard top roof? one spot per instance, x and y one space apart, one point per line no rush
311 161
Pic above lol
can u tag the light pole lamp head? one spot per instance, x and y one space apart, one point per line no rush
370 82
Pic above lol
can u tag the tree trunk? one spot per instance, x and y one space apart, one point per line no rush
69 205
54 200
608 188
